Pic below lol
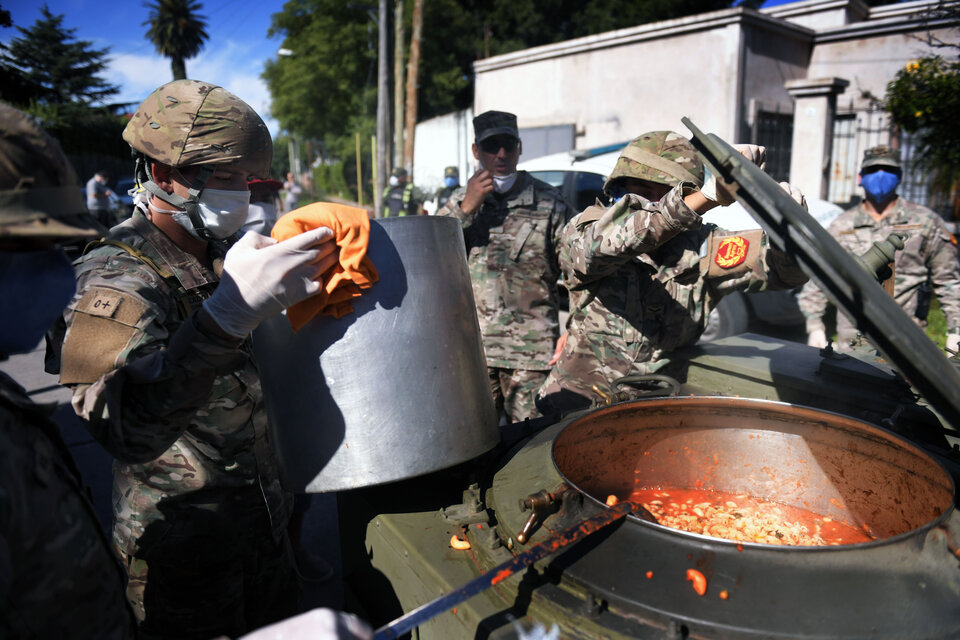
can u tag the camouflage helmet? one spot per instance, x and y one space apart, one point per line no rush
188 122
663 157
40 196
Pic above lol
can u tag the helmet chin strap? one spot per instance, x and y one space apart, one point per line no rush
189 205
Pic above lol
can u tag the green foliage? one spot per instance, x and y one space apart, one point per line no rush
937 324
46 66
924 99
177 31
50 75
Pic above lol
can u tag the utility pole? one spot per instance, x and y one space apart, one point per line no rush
413 69
383 109
398 40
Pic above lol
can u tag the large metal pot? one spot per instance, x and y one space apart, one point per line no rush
905 584
830 464
396 389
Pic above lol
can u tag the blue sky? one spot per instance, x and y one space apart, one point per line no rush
233 56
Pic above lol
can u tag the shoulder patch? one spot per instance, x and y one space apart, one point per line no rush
104 322
733 254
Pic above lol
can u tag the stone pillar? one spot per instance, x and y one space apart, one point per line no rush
813 114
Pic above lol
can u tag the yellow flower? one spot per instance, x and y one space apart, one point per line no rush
913 65
918 114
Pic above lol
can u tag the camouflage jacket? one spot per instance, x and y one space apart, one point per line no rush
928 255
58 576
512 243
643 278
181 411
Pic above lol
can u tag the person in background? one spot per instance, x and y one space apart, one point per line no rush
512 225
928 259
400 198
292 198
451 182
644 273
264 206
154 347
98 198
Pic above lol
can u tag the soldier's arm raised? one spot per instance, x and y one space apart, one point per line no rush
598 241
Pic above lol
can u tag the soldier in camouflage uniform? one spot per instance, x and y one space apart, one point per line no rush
929 256
155 349
645 273
511 225
58 575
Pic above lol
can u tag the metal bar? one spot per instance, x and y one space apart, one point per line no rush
577 532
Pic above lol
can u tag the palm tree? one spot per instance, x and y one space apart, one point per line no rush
177 31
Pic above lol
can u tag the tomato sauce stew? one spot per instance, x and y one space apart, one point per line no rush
744 518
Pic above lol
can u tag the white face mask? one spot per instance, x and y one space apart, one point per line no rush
502 184
222 212
262 217
393 181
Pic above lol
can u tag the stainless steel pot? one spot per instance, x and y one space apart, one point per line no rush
828 463
396 389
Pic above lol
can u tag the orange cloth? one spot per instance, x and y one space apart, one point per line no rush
346 280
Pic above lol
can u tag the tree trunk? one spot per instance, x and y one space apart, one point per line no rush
413 68
398 42
179 68
383 109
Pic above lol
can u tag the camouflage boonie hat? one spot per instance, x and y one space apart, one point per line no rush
188 122
663 157
40 196
882 156
451 172
495 123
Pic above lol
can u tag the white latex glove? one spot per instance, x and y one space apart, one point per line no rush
817 338
718 192
261 277
953 342
795 194
316 624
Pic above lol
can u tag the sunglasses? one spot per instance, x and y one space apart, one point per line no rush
494 144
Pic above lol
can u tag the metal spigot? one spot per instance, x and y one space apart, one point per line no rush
877 258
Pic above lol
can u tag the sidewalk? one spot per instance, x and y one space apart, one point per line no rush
320 530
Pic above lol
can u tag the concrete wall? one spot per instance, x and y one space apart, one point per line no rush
441 142
868 61
773 56
820 14
615 86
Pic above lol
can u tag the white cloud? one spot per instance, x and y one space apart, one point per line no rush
234 66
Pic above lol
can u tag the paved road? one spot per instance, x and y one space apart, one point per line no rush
320 531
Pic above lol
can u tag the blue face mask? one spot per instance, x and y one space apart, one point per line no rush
37 285
450 182
879 185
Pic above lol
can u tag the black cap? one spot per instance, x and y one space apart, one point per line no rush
399 172
495 123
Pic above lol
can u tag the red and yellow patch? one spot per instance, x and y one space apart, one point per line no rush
731 252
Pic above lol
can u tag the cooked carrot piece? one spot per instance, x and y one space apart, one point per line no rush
699 581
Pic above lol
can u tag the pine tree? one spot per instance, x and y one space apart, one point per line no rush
47 66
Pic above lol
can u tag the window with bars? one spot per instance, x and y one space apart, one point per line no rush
775 132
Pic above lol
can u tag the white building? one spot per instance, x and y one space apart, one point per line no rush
801 78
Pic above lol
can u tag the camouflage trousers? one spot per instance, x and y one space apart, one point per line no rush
514 391
196 578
